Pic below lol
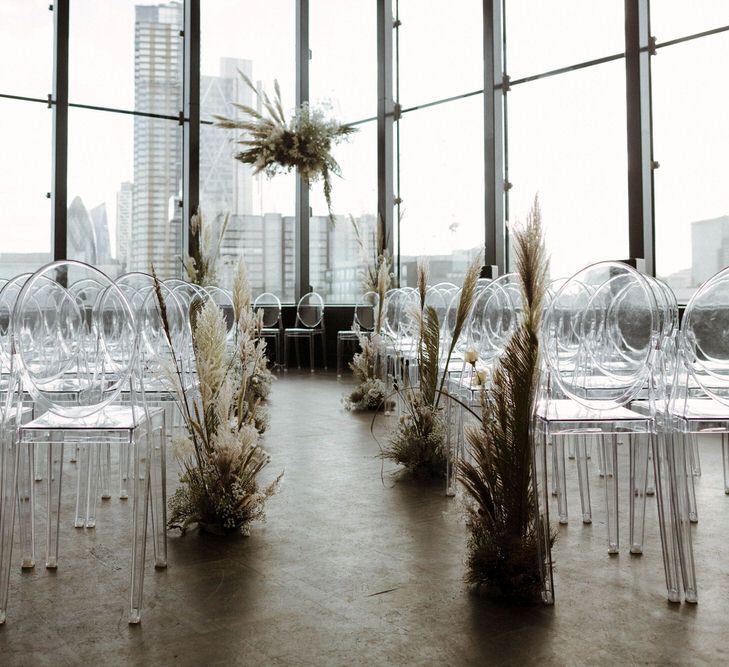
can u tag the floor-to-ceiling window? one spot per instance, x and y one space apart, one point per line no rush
566 127
439 137
26 30
691 141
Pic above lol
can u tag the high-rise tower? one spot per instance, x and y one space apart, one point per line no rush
156 235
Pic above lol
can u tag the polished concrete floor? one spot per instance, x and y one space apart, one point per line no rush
353 570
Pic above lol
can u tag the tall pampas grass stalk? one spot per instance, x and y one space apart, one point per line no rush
502 515
419 439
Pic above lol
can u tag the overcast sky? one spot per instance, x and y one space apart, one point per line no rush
566 133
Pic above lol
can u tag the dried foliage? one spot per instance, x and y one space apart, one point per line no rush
419 439
502 516
274 145
367 367
202 267
220 454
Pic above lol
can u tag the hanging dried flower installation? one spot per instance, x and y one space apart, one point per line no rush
274 145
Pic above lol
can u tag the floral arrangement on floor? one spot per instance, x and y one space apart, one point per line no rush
368 364
220 454
275 145
502 515
419 439
202 268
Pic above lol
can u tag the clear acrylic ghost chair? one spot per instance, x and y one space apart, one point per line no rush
309 325
491 323
363 322
102 359
269 305
699 405
600 335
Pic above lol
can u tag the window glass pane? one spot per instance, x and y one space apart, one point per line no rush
442 188
258 39
336 260
26 48
123 213
441 49
126 54
25 178
542 36
678 18
567 142
343 66
691 142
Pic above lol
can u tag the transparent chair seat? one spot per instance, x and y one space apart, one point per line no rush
110 418
562 414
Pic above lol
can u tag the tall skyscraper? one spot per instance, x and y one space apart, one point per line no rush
156 235
100 222
124 207
225 185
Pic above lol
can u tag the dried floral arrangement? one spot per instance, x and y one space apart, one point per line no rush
368 364
419 439
274 145
202 268
220 454
502 515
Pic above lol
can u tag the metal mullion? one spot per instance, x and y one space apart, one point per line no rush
301 241
59 98
23 98
494 153
641 224
689 38
385 122
567 69
128 112
190 120
443 100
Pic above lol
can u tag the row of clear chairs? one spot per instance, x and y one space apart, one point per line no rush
78 358
616 367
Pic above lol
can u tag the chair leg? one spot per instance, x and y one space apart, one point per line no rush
286 354
695 459
9 451
26 504
725 460
690 482
141 485
583 478
82 483
123 472
105 470
297 351
94 479
311 353
324 349
540 490
40 461
610 454
158 498
561 480
639 447
669 542
679 478
55 476
339 357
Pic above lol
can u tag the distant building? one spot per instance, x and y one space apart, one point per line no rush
81 237
267 245
155 237
124 207
709 248
100 223
225 185
14 263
